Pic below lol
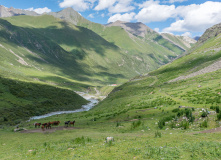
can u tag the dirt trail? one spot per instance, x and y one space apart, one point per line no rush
211 130
53 129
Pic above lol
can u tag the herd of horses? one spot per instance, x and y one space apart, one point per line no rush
54 123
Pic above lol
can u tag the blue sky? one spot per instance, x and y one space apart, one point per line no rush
180 17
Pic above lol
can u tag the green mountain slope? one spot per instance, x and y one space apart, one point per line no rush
192 80
137 39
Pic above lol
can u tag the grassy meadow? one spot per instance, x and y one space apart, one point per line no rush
149 116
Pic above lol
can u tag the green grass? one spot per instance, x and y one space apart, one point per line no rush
21 100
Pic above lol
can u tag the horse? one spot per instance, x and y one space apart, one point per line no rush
66 123
37 124
48 125
72 123
43 127
56 123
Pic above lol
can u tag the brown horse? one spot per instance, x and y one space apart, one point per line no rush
56 123
72 122
37 124
43 127
48 125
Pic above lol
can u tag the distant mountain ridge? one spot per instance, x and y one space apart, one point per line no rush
9 12
183 42
138 28
68 14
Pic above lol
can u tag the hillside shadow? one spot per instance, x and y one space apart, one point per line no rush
46 43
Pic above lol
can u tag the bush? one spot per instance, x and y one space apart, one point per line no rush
135 124
161 123
204 124
158 134
217 109
175 110
204 114
185 124
219 116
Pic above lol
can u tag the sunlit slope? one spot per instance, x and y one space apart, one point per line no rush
193 80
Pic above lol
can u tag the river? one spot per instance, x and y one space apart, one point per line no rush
93 101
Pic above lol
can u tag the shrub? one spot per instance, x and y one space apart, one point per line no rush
204 124
219 116
158 134
135 124
217 109
185 124
161 123
172 124
175 110
204 114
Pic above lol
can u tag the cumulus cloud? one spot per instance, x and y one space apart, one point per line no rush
152 11
91 15
115 6
157 29
174 1
196 17
78 5
122 6
187 34
122 17
40 10
104 4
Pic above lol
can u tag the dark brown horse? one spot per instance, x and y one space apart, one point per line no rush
48 125
56 123
37 124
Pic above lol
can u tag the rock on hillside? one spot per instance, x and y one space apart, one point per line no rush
9 12
138 29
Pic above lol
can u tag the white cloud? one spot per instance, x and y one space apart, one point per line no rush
157 29
187 34
196 17
174 1
115 6
122 6
152 11
122 17
78 5
40 10
104 4
91 15
102 15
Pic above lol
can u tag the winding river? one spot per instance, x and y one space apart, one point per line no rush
93 101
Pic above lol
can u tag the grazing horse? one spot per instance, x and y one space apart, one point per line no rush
48 125
72 123
43 127
66 123
56 123
37 124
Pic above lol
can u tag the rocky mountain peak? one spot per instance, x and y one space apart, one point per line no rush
9 12
68 14
138 28
210 32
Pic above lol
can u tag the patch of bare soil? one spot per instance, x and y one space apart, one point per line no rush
211 130
53 129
